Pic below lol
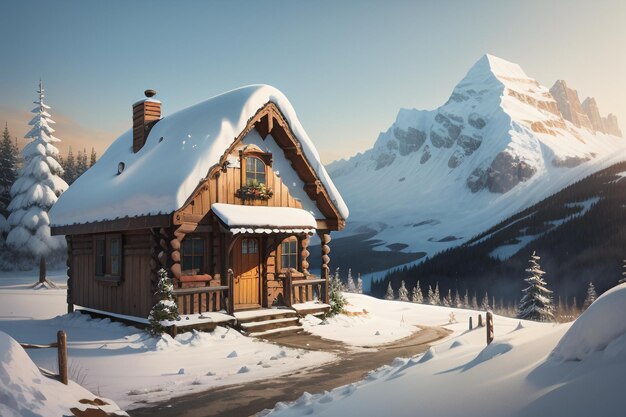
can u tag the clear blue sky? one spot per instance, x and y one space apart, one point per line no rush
347 66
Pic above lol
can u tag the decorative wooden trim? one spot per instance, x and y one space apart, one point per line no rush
325 268
118 225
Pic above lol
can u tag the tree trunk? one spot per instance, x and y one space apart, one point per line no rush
42 270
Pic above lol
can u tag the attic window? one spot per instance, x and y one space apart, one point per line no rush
255 171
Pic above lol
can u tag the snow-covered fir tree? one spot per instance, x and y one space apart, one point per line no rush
484 305
436 295
351 284
447 300
403 293
390 294
591 296
36 189
165 309
335 294
93 158
536 304
416 294
623 280
69 167
8 170
474 302
359 284
466 301
431 296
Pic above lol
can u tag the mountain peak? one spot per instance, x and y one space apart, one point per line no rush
499 67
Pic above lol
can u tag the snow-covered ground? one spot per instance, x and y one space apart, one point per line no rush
514 376
126 364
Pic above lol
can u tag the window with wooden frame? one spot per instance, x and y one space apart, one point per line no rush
193 255
249 246
108 257
289 253
255 171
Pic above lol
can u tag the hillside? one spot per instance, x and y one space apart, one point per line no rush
499 144
577 232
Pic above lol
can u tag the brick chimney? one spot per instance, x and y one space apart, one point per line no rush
146 113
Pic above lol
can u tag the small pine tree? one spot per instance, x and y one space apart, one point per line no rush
436 295
81 163
466 302
474 302
484 305
93 158
416 294
351 285
458 303
335 295
8 170
623 280
591 296
431 296
536 304
359 284
390 294
70 167
165 309
403 293
447 300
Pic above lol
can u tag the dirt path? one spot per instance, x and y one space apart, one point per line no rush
251 398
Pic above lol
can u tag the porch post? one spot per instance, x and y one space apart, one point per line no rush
304 254
325 240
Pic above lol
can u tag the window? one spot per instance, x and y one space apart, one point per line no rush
255 170
289 254
193 256
108 257
249 246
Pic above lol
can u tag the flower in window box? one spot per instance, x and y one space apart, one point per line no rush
254 191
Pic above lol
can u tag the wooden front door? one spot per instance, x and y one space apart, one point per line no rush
245 261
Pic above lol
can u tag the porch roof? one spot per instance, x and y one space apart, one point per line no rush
261 219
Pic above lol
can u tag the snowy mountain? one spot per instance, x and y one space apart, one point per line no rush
499 144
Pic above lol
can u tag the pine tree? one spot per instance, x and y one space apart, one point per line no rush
81 163
484 305
466 302
536 304
165 309
390 295
474 302
69 167
37 188
8 170
431 296
436 295
458 303
447 300
403 293
351 285
591 296
623 280
335 295
416 294
93 158
359 284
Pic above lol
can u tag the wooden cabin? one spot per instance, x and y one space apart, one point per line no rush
225 195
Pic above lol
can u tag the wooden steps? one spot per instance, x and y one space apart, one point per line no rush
270 321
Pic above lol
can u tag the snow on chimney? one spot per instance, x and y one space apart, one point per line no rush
146 113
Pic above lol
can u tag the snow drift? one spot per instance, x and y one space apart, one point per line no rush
24 391
600 327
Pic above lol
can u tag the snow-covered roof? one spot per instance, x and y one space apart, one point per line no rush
262 219
177 156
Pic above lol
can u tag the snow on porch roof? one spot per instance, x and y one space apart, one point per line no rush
179 151
262 219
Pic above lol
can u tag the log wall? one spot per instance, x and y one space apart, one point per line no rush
133 295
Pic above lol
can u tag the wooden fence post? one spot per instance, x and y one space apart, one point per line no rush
470 323
288 289
62 354
489 321
231 291
480 320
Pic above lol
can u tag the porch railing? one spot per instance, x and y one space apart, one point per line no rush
304 289
197 300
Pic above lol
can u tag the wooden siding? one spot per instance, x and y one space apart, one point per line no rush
133 294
